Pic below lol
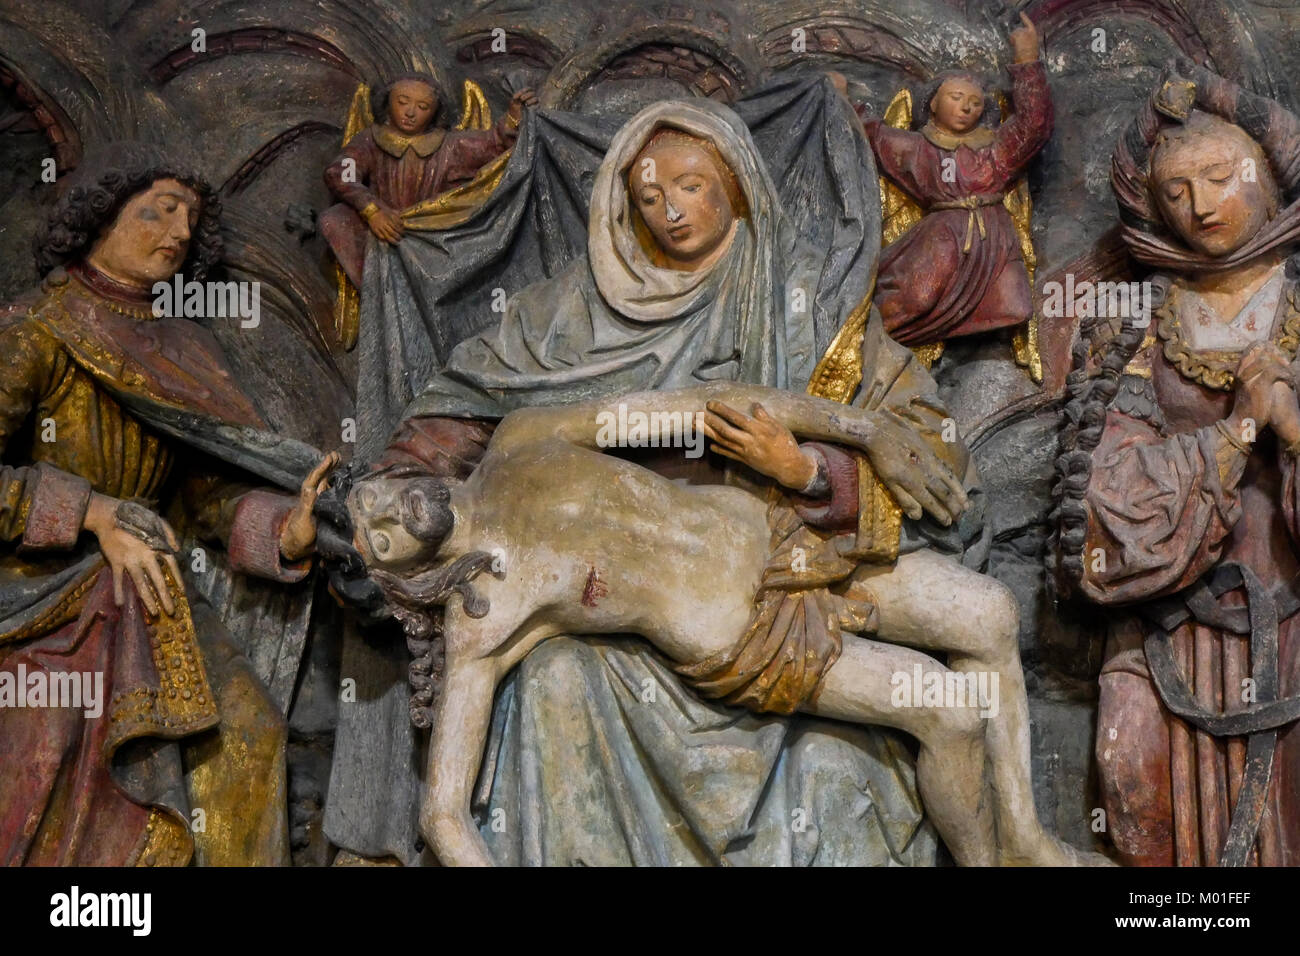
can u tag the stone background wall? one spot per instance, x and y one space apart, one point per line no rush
260 113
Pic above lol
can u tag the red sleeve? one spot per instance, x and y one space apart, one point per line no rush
1020 138
53 501
1158 509
898 155
468 151
838 511
445 447
356 193
254 538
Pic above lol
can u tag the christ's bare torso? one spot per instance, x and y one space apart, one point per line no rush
572 526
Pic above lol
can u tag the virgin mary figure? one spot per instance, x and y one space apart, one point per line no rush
599 754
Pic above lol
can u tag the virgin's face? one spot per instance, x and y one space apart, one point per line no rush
150 237
1211 190
681 196
411 105
957 106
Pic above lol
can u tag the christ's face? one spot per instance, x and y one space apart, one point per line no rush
411 105
387 513
680 194
957 106
150 238
1210 186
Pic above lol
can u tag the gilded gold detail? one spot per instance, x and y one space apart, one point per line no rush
1216 368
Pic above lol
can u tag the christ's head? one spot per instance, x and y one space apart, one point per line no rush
400 521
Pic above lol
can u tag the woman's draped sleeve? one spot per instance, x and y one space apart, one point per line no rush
1158 508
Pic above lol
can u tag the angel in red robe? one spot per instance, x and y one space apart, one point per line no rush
960 269
403 160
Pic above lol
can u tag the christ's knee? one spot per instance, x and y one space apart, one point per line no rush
988 619
944 728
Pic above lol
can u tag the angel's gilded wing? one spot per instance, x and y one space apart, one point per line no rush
898 211
1025 343
475 113
360 115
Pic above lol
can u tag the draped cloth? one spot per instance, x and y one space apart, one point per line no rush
584 764
614 321
435 289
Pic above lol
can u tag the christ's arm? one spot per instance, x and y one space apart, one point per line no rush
902 458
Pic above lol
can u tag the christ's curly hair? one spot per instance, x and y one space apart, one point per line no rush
96 192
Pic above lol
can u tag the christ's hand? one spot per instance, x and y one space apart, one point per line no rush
919 480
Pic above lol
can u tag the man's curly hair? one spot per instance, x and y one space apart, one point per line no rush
96 192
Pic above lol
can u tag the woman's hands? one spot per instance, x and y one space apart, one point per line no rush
298 538
129 555
1263 366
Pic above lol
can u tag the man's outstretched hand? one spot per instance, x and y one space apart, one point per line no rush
298 539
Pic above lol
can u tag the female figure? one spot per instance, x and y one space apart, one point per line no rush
595 750
1181 492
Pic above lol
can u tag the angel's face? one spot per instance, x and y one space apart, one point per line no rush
1212 188
682 199
411 105
957 106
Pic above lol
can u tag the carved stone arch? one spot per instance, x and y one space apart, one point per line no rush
246 41
900 38
528 46
1212 34
22 96
364 39
677 51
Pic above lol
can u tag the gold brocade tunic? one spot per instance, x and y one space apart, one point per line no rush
76 425
68 347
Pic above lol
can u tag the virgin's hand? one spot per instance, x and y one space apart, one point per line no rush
761 442
128 556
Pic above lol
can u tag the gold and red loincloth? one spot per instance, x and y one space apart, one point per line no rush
793 637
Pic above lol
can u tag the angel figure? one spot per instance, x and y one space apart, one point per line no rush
397 174
956 206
